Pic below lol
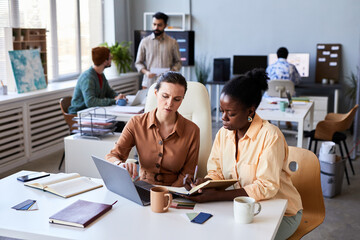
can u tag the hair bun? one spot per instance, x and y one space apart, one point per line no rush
259 78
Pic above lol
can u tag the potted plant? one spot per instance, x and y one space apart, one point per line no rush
121 55
202 69
351 83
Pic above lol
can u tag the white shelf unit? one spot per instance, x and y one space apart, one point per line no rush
174 18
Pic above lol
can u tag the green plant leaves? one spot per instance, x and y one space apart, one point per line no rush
121 55
202 69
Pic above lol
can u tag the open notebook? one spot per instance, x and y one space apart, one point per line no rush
64 184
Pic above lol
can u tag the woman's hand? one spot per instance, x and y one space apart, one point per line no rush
189 182
207 195
131 168
212 194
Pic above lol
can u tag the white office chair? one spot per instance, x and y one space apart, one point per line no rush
278 88
195 107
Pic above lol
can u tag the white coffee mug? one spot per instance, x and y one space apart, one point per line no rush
244 209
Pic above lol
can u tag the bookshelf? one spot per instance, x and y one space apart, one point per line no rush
176 21
31 38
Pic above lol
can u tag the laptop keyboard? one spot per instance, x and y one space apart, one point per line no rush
143 193
143 184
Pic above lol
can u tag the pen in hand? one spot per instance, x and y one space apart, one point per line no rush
195 173
184 180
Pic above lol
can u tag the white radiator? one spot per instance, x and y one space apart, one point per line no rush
125 86
11 136
47 124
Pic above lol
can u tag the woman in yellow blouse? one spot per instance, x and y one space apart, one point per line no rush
251 150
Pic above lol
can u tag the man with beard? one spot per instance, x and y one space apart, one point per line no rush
92 88
157 50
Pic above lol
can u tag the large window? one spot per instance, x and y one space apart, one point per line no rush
73 28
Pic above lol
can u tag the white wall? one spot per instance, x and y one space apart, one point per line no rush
228 27
256 27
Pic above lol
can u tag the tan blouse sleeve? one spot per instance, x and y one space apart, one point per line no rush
124 144
191 159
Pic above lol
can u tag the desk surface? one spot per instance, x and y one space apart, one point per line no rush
272 111
126 217
319 85
301 111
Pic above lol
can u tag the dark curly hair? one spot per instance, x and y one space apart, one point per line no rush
160 15
248 88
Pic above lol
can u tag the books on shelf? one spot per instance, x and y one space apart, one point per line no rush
218 184
80 213
64 184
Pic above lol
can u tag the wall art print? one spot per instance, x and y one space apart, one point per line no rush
28 71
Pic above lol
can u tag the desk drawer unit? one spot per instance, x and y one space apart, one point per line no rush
320 111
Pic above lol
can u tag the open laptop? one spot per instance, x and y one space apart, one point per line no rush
118 180
139 97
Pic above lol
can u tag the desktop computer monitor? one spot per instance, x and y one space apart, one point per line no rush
300 60
242 64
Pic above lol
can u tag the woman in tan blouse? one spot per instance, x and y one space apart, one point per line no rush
166 142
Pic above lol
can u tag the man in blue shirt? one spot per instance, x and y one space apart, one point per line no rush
282 69
92 88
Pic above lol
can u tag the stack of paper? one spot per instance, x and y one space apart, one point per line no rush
126 109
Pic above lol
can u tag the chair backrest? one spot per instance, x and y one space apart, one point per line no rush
65 103
306 179
195 107
278 88
335 122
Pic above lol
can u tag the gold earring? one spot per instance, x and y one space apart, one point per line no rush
250 119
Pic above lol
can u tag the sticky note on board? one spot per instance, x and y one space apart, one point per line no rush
322 59
334 55
321 47
335 48
326 52
333 64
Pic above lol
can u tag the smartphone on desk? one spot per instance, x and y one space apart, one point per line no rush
33 176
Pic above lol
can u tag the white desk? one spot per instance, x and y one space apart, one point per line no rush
78 151
127 220
272 112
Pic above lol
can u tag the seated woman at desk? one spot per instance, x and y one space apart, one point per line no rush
251 150
166 142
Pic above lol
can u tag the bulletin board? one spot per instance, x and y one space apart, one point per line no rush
328 62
